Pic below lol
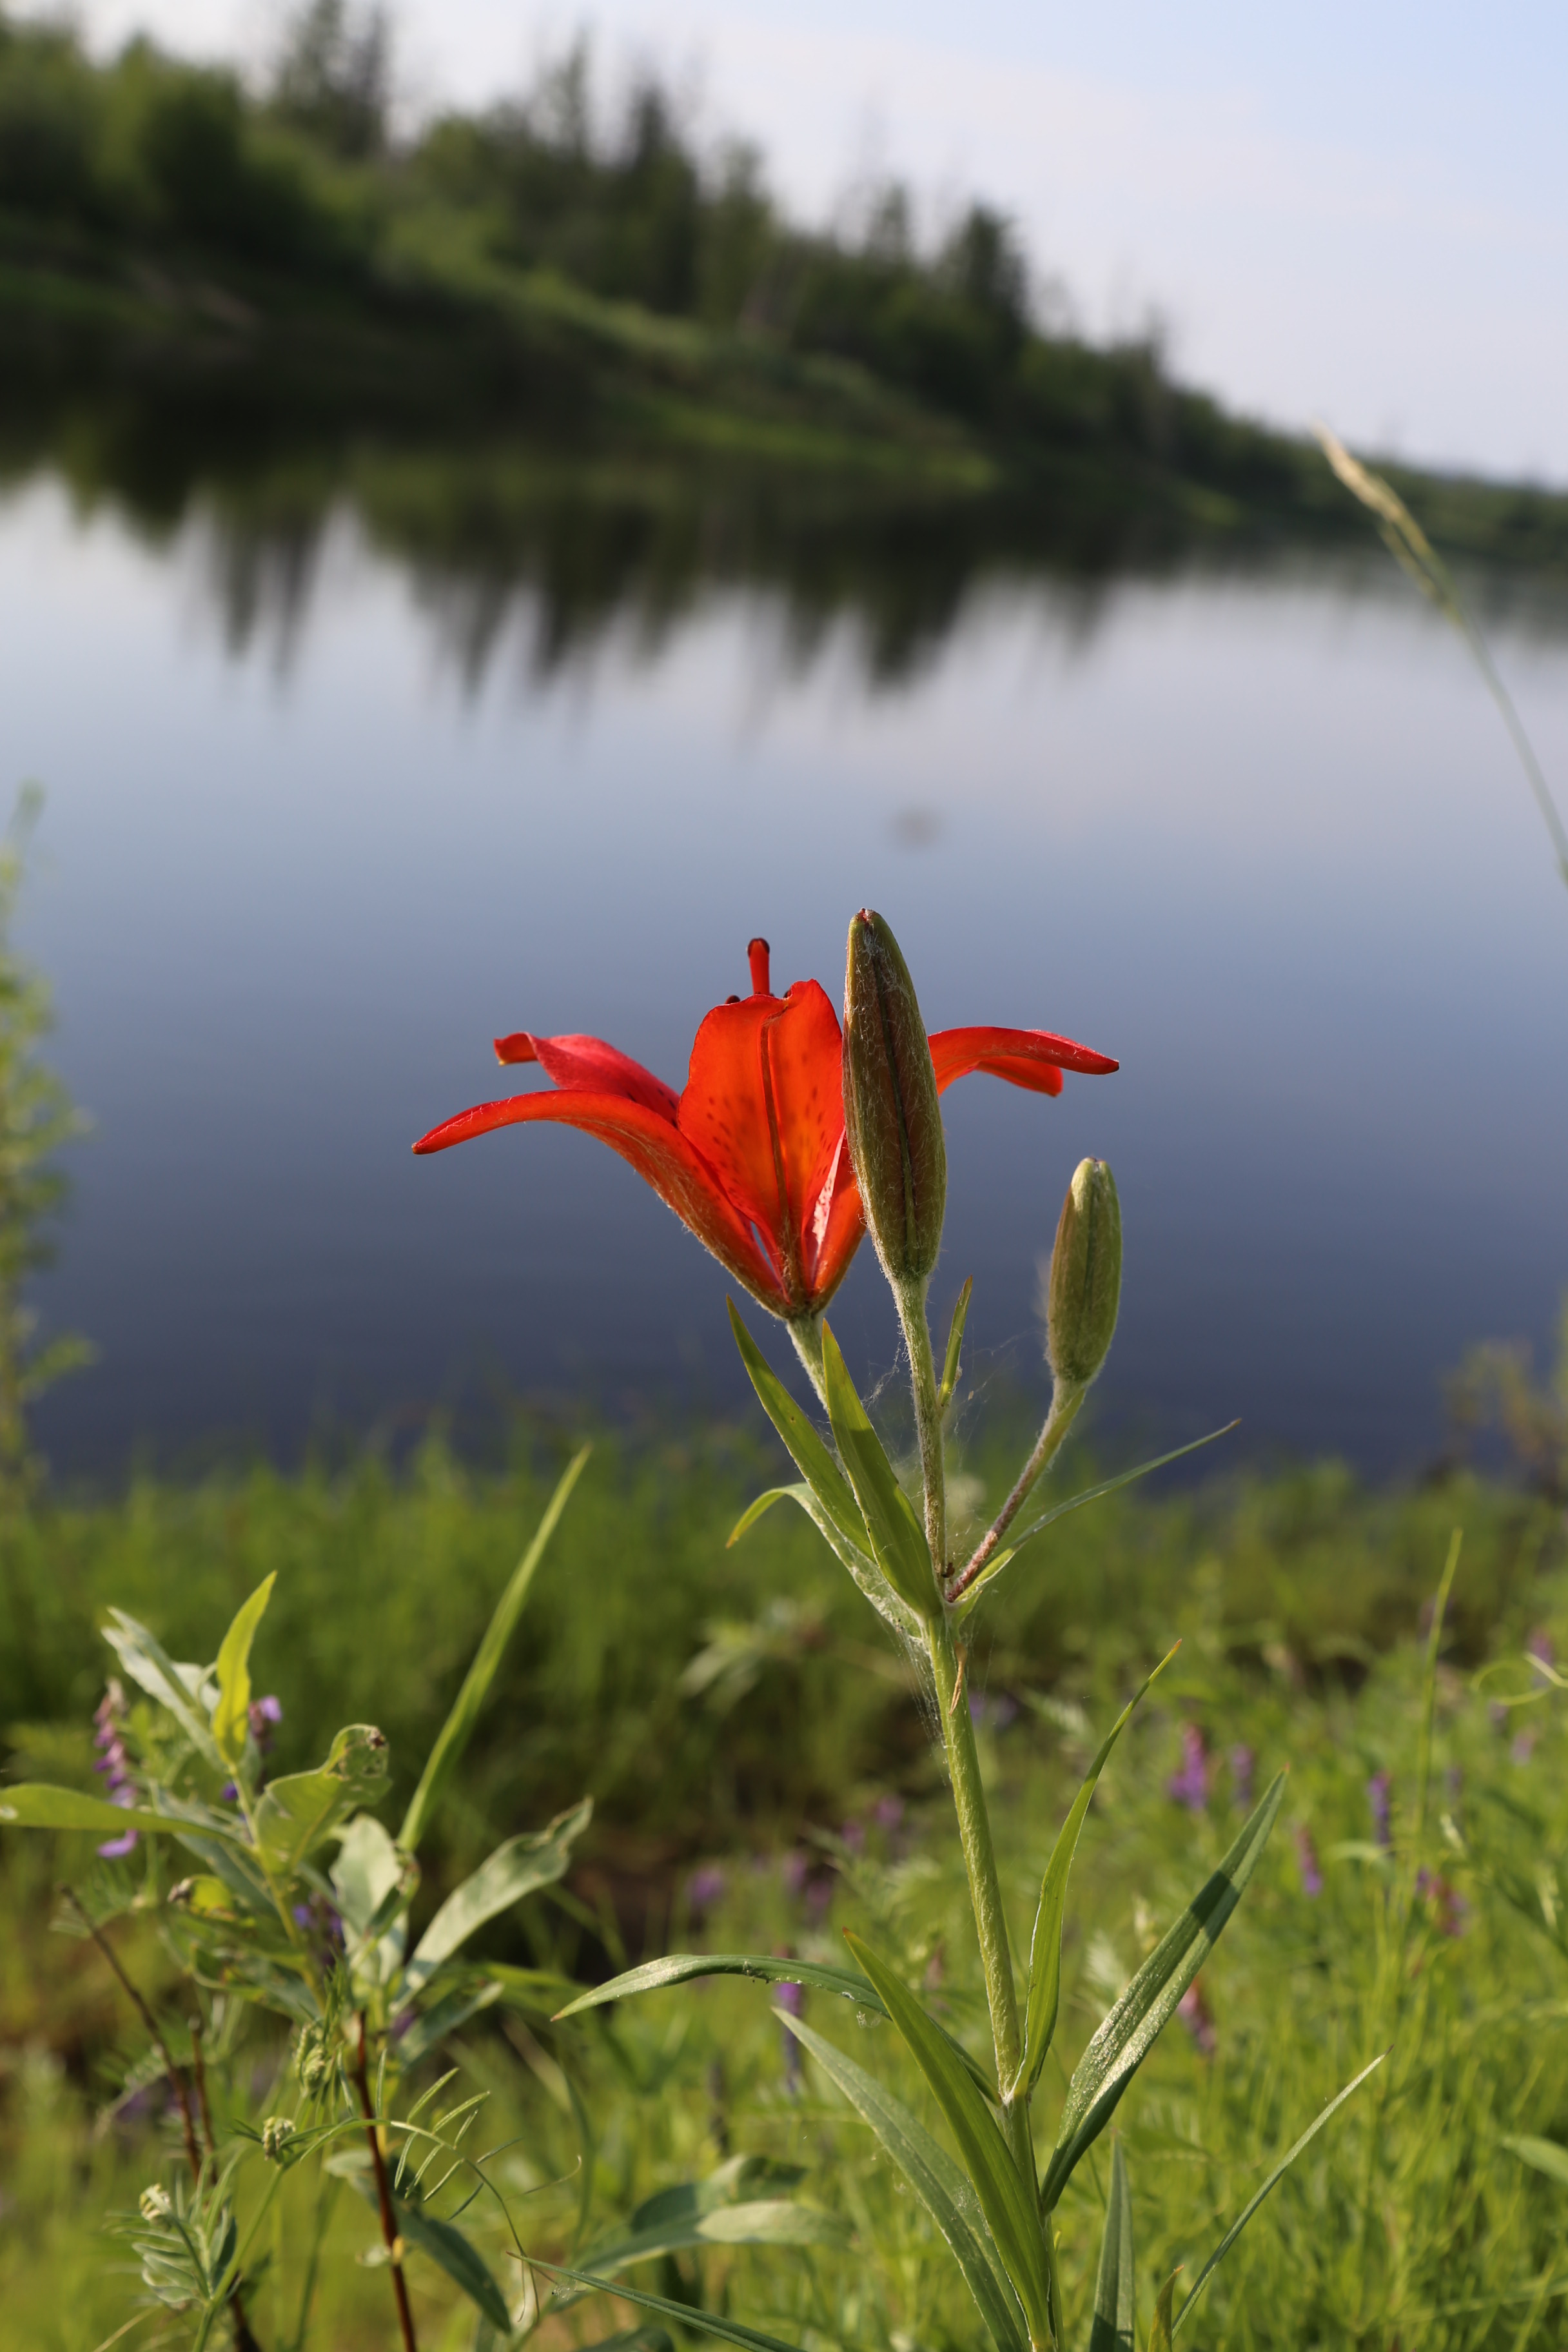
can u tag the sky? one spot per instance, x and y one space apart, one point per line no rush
1358 212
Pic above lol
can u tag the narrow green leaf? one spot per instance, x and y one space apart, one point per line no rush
1115 2299
35 1805
520 1867
1128 2035
855 1557
835 1512
148 1664
1006 2200
1046 1951
954 1345
231 1717
1280 2170
1545 2155
447 2248
764 1501
457 1730
431 2027
763 1968
1160 2333
763 2221
947 2196
299 1810
897 1537
684 2314
995 1566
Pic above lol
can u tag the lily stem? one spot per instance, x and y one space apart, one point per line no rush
963 1756
1066 1398
805 1330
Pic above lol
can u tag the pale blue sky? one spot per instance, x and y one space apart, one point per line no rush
1359 212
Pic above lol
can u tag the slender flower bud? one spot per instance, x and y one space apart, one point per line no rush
891 1115
1084 1288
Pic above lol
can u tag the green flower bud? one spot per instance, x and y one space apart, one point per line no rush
1084 1286
275 2131
891 1115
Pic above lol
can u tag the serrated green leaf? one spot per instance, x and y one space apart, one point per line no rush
35 1805
999 1561
1045 1951
1128 2035
520 1867
954 1345
684 2314
948 2197
1115 2300
840 1518
763 1967
300 1809
1544 2155
457 1730
897 1537
1006 2200
1280 2170
231 1717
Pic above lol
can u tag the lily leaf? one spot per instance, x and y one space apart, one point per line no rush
1129 2034
298 1812
995 1566
841 1517
231 1717
1007 2199
1280 2170
1115 2299
519 1867
457 1730
897 1537
857 1560
937 2181
954 1345
1046 1951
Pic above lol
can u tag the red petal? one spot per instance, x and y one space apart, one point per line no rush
842 1230
661 1155
749 1057
589 1063
1031 1058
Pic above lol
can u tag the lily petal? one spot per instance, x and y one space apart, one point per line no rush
590 1062
1031 1058
764 1104
661 1155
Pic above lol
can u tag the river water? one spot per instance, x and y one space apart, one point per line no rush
318 825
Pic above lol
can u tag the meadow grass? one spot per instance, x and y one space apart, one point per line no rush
765 1775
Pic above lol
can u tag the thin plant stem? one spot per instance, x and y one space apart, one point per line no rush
389 2233
805 1331
199 2070
911 1303
1066 1398
176 2081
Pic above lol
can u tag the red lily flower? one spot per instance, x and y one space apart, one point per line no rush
752 1157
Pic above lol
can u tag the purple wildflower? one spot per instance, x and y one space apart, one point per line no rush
794 1870
114 1763
1306 1863
1190 1786
1541 1646
1523 1747
706 1886
264 1713
1449 1906
1497 1714
1380 1797
1195 2015
888 1813
1243 1766
997 1710
853 1836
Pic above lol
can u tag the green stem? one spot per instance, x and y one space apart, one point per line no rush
958 1739
805 1330
1066 1398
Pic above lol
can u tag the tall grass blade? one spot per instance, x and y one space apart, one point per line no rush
457 1730
1115 2296
1280 2170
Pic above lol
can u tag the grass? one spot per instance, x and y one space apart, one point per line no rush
793 1768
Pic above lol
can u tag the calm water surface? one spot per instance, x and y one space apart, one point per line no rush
1261 838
